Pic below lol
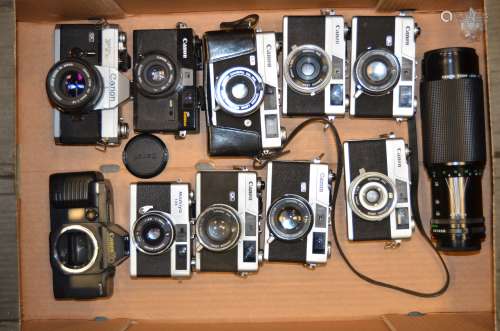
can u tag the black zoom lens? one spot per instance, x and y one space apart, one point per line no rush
454 146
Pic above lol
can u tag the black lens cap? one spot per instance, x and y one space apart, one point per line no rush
145 156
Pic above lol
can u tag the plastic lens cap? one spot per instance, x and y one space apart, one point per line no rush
145 156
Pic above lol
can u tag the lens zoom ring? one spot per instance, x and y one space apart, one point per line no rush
453 121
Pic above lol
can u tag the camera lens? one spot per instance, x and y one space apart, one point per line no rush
290 218
308 69
372 196
154 233
156 74
75 249
377 71
454 146
218 228
74 85
239 91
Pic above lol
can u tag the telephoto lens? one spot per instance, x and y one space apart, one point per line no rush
454 146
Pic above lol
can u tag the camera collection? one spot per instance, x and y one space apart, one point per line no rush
319 67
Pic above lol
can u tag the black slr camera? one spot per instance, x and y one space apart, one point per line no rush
298 212
86 86
85 245
241 87
314 62
383 66
227 221
160 229
165 93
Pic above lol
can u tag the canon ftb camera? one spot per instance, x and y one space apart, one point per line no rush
377 190
314 58
227 221
241 83
165 93
85 84
298 212
160 229
383 66
85 245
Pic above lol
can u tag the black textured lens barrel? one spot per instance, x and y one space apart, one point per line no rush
452 107
454 145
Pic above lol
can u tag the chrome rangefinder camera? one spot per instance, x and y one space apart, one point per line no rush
298 212
242 95
160 229
227 221
377 183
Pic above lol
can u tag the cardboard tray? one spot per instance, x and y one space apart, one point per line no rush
280 296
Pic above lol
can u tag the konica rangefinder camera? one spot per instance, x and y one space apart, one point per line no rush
227 221
85 245
165 92
383 66
377 186
298 212
160 229
242 96
86 86
314 65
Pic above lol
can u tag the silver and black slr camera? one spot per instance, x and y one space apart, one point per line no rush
165 92
86 84
383 66
85 245
160 229
377 186
314 62
298 212
227 221
241 87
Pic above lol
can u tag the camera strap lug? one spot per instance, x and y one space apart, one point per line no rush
102 146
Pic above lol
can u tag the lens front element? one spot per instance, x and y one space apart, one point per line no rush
156 74
290 218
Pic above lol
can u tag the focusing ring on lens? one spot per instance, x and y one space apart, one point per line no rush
153 233
218 228
377 71
74 239
74 85
372 196
239 91
308 69
290 218
156 75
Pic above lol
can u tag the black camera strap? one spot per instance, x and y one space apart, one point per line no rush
247 22
262 160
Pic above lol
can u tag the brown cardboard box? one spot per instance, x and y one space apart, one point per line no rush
280 296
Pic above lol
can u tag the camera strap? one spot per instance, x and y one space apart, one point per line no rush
247 22
262 160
